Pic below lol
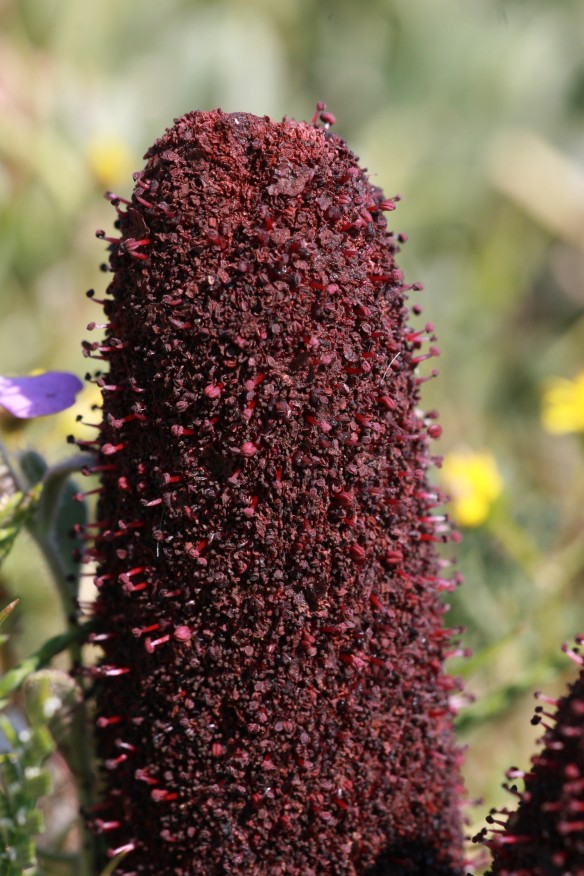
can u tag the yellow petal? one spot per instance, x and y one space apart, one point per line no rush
563 405
110 160
474 482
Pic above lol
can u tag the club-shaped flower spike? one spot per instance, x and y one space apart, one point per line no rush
272 697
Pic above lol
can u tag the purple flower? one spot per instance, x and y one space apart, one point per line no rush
39 395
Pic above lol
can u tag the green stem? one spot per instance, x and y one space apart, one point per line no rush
69 858
41 530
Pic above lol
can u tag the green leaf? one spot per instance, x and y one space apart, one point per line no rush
33 466
112 865
9 733
16 511
8 610
16 677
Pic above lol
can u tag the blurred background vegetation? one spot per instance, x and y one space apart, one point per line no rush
474 112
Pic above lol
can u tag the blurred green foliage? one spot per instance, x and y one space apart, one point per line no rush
474 112
15 510
23 780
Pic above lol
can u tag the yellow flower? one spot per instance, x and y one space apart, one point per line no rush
66 423
563 405
474 482
109 159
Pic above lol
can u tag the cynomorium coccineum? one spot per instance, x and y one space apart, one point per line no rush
545 835
271 698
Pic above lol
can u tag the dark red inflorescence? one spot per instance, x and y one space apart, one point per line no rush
545 835
271 698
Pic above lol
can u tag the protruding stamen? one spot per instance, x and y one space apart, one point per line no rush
152 644
128 847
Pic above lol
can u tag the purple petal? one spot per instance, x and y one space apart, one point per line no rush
39 395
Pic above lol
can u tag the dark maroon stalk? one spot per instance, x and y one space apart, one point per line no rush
271 698
545 835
